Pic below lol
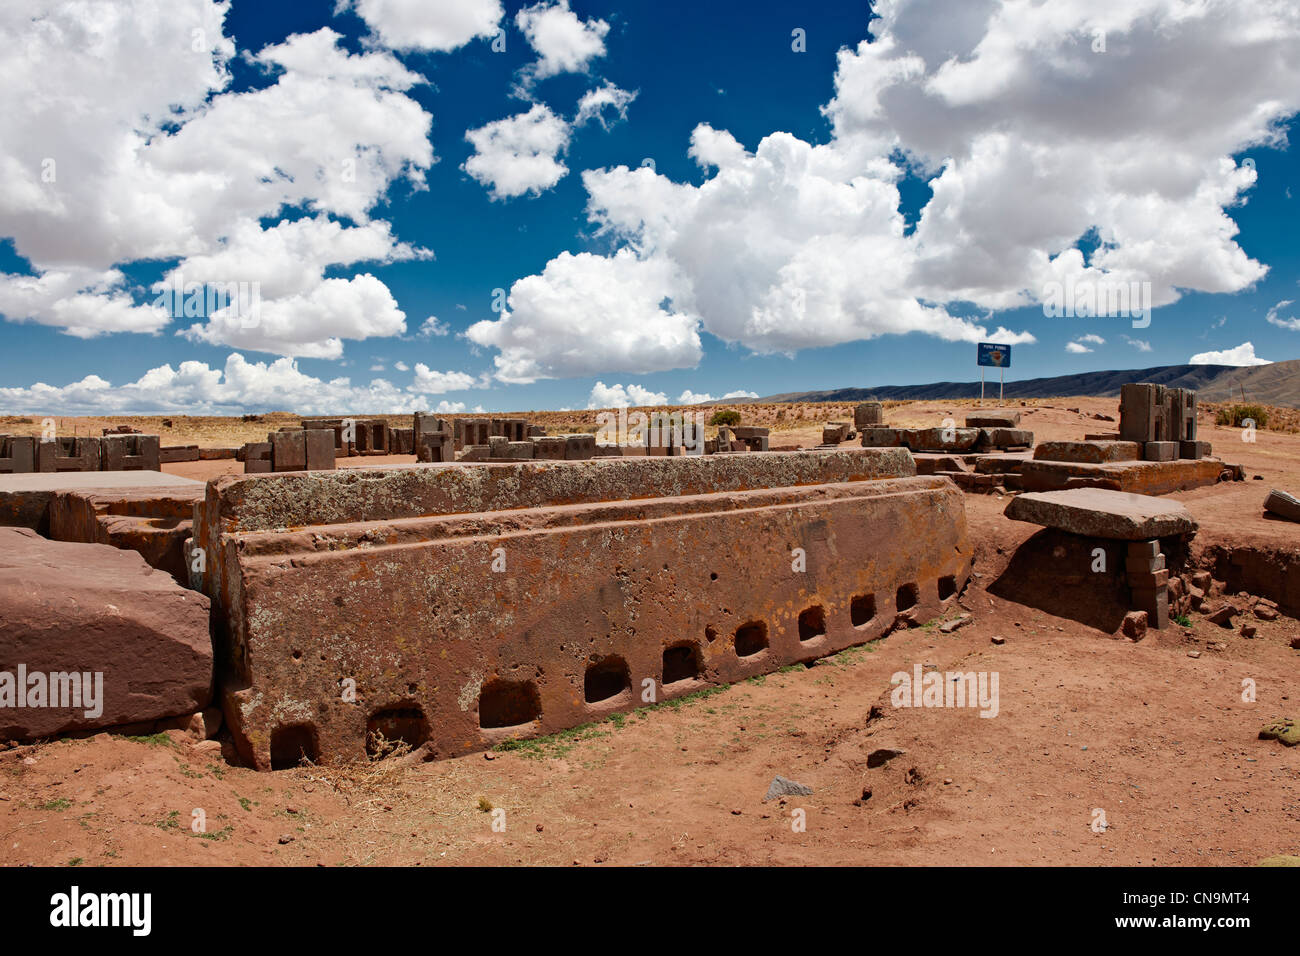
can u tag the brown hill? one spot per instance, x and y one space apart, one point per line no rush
1275 384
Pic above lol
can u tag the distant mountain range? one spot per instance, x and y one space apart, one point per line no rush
1275 384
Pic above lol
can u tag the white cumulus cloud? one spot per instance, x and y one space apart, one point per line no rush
618 396
587 314
196 389
595 103
1031 143
437 25
1275 317
1082 344
1243 354
563 41
696 398
124 144
520 154
433 326
429 381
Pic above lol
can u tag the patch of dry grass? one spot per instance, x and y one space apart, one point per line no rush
1280 419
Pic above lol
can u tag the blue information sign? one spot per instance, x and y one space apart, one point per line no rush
995 356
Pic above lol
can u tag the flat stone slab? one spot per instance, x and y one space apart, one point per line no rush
1099 513
1005 438
153 521
267 502
922 439
25 498
993 419
78 480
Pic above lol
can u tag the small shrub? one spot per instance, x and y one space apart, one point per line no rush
1236 415
726 416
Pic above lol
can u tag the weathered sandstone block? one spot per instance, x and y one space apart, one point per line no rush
68 454
168 454
1283 504
17 454
1097 513
868 413
469 603
25 499
1004 438
1094 452
105 616
1139 477
129 452
993 419
1160 451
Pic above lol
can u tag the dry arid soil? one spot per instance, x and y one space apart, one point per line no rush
1158 740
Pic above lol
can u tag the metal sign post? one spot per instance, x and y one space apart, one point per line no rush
992 355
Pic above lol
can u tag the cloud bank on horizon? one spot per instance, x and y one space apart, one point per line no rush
142 149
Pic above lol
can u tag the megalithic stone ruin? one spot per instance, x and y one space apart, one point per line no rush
455 606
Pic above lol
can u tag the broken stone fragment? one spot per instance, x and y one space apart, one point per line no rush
1135 625
1283 505
1221 615
784 787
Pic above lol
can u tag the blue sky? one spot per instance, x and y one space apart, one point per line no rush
732 68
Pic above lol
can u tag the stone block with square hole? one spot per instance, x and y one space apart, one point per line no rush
130 453
69 453
17 454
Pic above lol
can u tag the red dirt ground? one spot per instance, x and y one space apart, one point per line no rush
1159 741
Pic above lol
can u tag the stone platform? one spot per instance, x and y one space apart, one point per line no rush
25 498
459 606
